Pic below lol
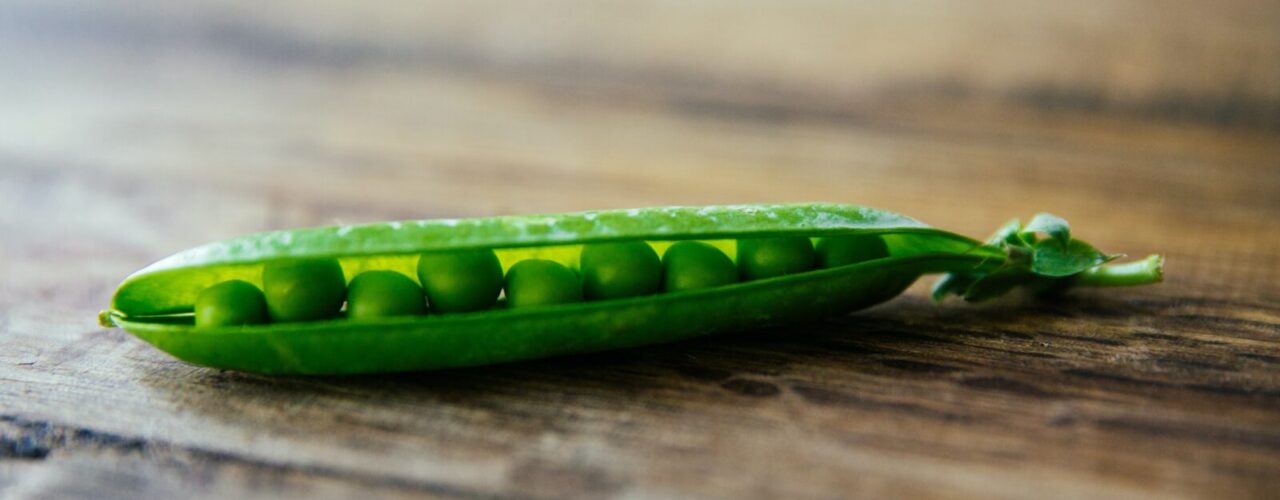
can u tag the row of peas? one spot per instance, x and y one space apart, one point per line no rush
471 280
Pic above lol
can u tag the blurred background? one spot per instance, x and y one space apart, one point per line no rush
131 130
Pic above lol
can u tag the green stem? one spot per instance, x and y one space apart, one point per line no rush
1143 272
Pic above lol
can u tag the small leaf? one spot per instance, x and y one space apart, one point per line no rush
951 284
998 283
1020 255
1008 233
1050 224
1053 258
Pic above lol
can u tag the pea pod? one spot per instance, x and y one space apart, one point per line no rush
156 302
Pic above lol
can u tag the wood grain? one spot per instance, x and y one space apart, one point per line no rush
128 134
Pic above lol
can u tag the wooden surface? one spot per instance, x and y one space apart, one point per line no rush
127 134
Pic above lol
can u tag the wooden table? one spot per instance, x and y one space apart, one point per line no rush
129 133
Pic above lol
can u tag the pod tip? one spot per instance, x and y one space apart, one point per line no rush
104 319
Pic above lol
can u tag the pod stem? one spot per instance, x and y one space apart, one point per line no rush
1043 257
1142 272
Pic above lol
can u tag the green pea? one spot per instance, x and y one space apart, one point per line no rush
690 265
231 303
303 290
379 294
839 251
536 282
760 258
460 281
618 270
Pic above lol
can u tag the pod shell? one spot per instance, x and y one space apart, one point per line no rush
151 302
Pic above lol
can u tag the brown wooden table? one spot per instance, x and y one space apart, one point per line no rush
131 131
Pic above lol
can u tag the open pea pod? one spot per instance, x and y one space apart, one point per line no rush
156 302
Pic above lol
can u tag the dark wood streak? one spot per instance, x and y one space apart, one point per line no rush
827 397
852 346
1114 377
1182 431
1269 396
1170 304
1081 338
1223 321
919 366
1017 353
1265 395
53 438
1173 106
1008 385
1265 358
703 373
989 334
1171 339
1193 365
752 388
